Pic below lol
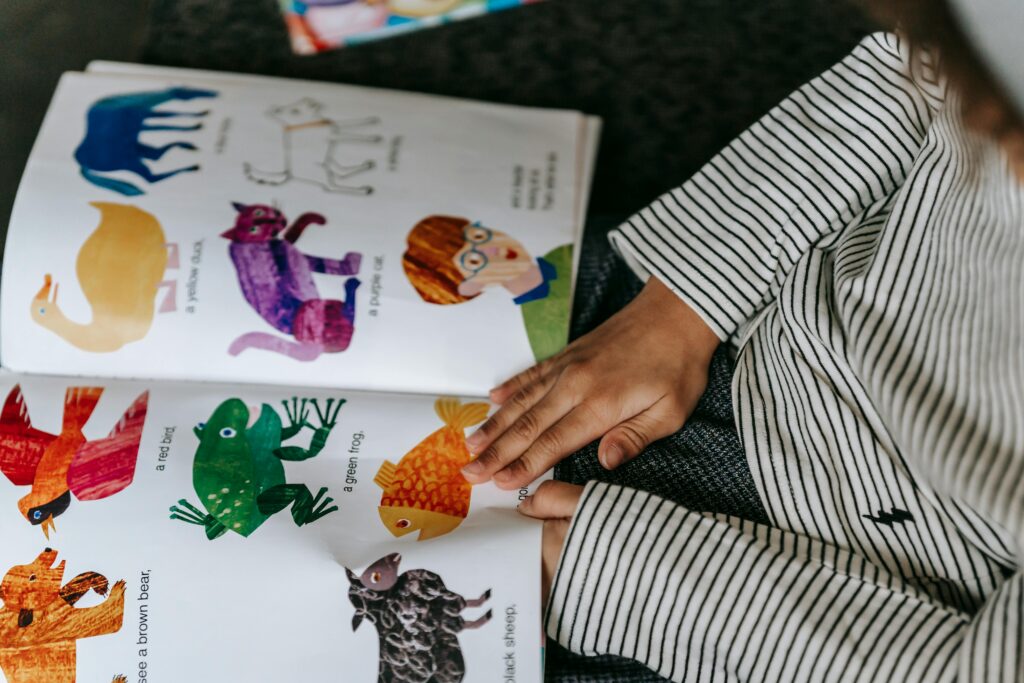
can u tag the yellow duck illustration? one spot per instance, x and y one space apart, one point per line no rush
120 267
426 491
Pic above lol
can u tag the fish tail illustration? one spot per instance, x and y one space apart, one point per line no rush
458 416
79 402
385 475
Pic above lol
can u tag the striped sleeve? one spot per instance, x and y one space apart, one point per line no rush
726 239
698 598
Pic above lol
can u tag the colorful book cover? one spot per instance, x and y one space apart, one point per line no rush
320 25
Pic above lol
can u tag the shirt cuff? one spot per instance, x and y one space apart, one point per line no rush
607 596
685 274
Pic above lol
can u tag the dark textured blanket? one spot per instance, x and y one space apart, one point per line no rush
674 80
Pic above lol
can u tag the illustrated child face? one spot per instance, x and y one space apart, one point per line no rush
489 257
451 260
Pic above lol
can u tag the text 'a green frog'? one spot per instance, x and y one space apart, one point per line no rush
238 471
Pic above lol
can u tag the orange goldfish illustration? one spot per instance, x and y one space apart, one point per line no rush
58 465
426 491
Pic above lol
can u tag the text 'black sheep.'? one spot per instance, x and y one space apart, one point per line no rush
417 620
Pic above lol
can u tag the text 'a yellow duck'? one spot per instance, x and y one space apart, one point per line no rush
426 491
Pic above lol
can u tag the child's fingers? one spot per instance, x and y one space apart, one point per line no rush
528 429
574 431
509 387
520 402
553 500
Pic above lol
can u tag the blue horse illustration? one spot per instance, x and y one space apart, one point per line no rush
111 141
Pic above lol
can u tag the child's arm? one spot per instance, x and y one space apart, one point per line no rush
701 598
723 243
835 150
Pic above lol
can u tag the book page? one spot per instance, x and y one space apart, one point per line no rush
291 233
240 533
586 153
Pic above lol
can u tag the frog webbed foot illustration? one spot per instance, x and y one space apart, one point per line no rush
192 515
298 417
328 418
305 507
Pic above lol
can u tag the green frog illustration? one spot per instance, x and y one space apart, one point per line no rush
238 472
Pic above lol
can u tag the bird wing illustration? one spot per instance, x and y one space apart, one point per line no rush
21 444
106 466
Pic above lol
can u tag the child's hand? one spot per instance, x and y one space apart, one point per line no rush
555 502
634 379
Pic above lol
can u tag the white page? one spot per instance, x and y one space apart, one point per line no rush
590 126
589 140
437 157
270 606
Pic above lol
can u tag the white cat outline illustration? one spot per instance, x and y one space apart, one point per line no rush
309 141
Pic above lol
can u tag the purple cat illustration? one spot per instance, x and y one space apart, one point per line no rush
277 281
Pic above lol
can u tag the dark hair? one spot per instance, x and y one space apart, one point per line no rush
933 25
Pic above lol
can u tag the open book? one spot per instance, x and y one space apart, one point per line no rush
235 317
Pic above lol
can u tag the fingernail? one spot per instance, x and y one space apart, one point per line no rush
613 457
525 504
503 475
473 469
474 439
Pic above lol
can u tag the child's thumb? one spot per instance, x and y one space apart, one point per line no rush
630 438
553 500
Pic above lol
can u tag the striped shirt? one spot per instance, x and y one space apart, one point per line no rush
865 254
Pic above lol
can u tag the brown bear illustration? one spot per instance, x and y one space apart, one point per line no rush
40 625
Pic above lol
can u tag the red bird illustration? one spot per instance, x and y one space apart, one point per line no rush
56 466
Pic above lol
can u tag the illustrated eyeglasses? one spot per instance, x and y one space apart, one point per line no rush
475 260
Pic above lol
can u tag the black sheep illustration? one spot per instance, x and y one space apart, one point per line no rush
417 620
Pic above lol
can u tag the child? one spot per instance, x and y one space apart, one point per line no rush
863 248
